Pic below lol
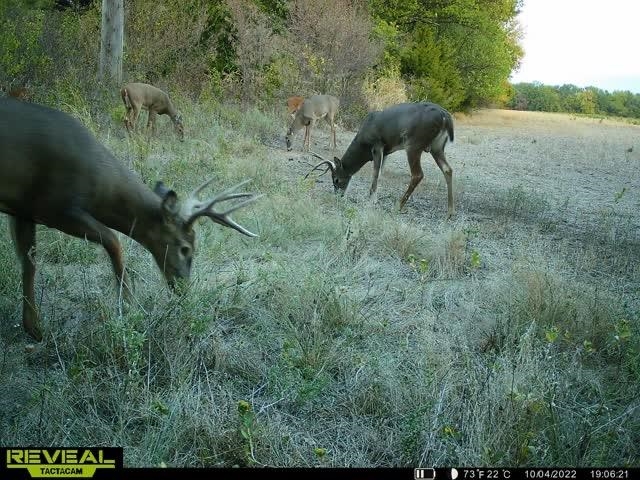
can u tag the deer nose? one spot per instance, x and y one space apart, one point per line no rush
178 285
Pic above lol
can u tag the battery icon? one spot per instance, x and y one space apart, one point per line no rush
424 473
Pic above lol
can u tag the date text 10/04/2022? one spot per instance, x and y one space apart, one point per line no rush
540 473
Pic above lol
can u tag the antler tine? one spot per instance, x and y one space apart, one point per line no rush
230 196
223 218
204 209
316 168
330 165
197 191
251 198
317 156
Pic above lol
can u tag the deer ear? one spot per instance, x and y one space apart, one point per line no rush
337 161
160 189
170 203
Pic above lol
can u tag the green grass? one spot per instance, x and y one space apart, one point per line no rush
344 335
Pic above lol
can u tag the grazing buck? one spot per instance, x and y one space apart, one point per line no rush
413 127
137 96
312 109
293 105
55 173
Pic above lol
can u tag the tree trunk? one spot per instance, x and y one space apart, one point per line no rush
111 44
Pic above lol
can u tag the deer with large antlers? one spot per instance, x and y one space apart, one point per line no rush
413 127
55 173
142 96
313 109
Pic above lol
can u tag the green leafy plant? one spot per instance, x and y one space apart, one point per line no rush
475 261
248 426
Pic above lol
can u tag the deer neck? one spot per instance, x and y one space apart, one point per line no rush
171 110
134 210
356 156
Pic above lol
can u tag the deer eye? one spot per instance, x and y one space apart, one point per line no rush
185 251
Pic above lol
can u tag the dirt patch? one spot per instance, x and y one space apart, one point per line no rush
522 181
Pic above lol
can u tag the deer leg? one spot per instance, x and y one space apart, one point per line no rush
127 120
441 161
416 175
82 225
378 160
151 122
133 118
333 130
307 134
23 233
305 146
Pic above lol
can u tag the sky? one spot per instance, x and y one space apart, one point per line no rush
583 42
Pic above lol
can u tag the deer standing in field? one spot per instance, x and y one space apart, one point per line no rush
413 127
293 105
55 173
312 109
137 96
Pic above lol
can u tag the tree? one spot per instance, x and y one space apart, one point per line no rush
254 45
458 52
334 47
573 99
111 41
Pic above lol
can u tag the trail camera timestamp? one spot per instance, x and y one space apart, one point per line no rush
486 474
609 473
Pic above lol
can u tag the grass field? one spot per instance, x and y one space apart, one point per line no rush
351 334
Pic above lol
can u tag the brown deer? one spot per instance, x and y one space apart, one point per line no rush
137 96
21 93
312 109
55 173
293 105
413 127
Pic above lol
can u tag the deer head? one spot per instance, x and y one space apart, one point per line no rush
339 176
178 126
172 241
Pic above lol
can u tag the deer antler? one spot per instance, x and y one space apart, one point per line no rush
330 165
193 208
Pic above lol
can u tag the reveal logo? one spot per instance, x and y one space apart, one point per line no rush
62 462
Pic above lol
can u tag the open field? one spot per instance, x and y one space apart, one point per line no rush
351 334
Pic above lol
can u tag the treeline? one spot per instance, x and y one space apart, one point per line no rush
458 53
572 99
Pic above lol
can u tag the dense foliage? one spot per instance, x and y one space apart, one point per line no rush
455 52
569 98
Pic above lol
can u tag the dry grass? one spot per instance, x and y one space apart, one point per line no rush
356 335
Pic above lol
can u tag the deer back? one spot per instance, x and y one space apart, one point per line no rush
317 106
405 126
50 162
150 97
412 126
